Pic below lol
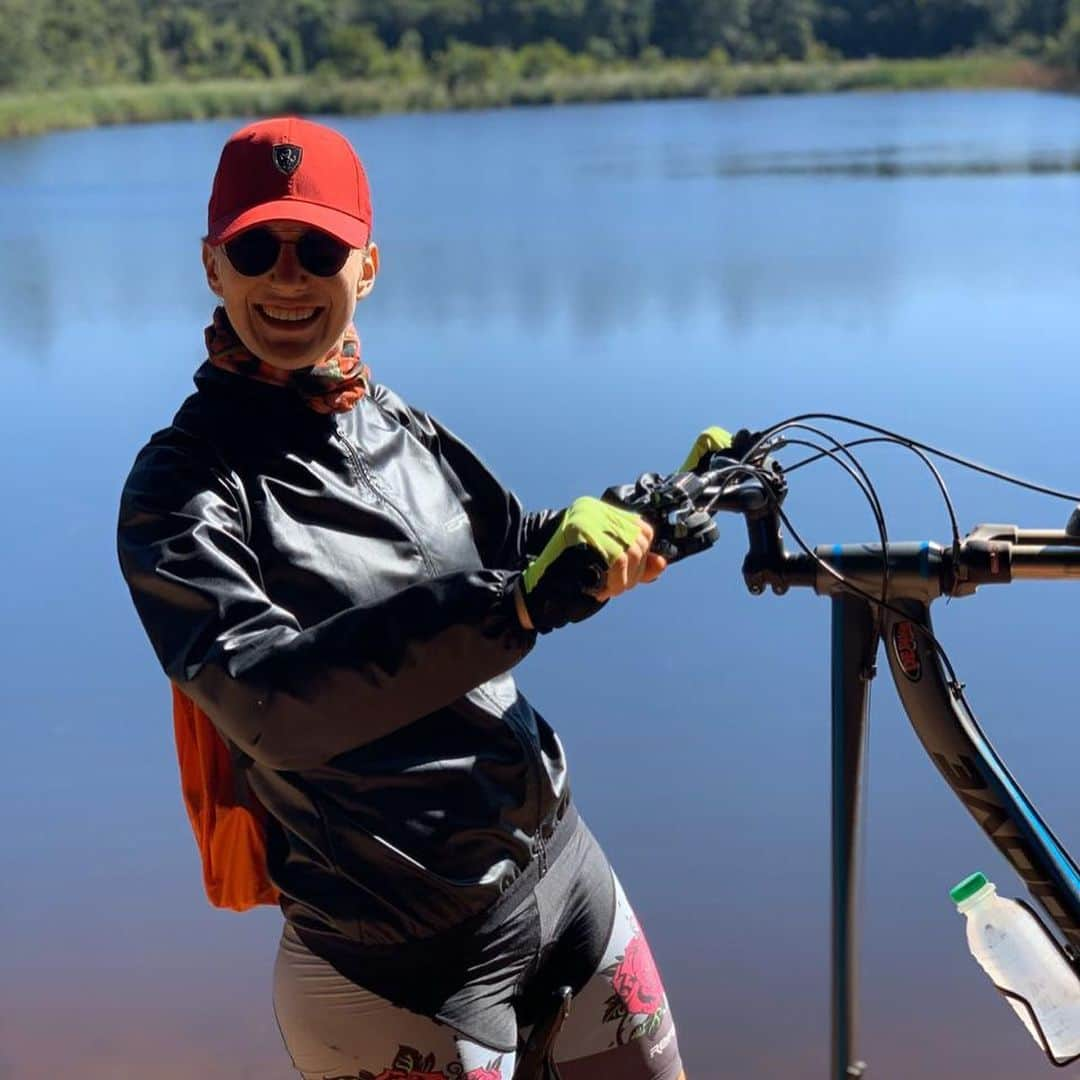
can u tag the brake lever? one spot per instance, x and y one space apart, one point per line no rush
672 506
680 507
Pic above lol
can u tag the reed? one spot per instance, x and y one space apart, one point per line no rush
33 114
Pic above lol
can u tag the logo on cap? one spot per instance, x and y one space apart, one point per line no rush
287 158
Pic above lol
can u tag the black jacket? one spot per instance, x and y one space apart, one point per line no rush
336 592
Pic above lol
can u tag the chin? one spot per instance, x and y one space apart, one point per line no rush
292 359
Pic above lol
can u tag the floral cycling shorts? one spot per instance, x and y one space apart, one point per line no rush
619 1028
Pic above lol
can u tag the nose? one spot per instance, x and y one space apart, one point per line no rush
287 270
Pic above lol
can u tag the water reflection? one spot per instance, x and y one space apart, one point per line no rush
890 162
27 298
651 213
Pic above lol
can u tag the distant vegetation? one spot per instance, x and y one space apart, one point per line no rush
75 62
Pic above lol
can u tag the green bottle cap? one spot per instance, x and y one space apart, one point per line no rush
968 887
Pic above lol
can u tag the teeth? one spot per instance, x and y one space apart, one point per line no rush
288 314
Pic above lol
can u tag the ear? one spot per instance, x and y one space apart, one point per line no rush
210 265
369 272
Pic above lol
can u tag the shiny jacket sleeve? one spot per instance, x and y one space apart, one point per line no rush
293 698
506 536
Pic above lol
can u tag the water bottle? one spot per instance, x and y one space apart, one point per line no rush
1017 952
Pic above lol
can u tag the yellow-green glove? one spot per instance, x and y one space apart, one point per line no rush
590 537
710 441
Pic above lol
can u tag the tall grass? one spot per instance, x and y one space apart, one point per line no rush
31 114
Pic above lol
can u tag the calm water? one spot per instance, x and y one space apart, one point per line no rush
577 291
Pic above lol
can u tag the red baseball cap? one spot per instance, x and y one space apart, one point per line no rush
294 170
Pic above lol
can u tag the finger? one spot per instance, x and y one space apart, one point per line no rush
638 562
619 575
637 548
637 554
655 565
614 580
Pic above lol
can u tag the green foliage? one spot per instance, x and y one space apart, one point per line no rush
462 65
909 28
782 29
601 50
1040 18
262 56
55 44
652 56
1066 49
19 54
694 27
498 85
358 51
544 58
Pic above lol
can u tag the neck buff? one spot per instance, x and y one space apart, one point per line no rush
335 384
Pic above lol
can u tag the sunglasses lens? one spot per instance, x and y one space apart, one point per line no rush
256 251
253 252
321 254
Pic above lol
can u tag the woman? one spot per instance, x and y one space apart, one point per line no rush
343 587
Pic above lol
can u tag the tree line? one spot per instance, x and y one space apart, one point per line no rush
71 43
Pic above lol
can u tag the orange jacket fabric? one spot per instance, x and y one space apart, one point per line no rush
230 833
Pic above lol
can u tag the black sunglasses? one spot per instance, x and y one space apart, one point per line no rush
255 251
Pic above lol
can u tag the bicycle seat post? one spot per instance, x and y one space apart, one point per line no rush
537 1060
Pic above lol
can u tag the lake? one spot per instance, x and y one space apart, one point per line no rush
576 291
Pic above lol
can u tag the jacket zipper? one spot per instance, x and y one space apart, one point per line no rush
532 755
364 474
526 743
534 761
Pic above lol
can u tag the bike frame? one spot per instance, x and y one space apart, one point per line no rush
937 709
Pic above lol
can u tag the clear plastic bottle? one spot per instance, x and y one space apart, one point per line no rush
1017 952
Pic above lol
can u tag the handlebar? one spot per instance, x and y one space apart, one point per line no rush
681 508
989 555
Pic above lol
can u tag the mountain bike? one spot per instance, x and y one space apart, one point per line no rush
881 594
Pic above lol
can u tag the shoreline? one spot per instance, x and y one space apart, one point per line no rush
26 114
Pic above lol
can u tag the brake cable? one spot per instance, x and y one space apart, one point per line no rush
918 452
862 479
851 587
866 486
967 463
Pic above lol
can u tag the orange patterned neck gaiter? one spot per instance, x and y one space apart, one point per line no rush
335 384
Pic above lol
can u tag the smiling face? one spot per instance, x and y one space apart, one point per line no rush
288 317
